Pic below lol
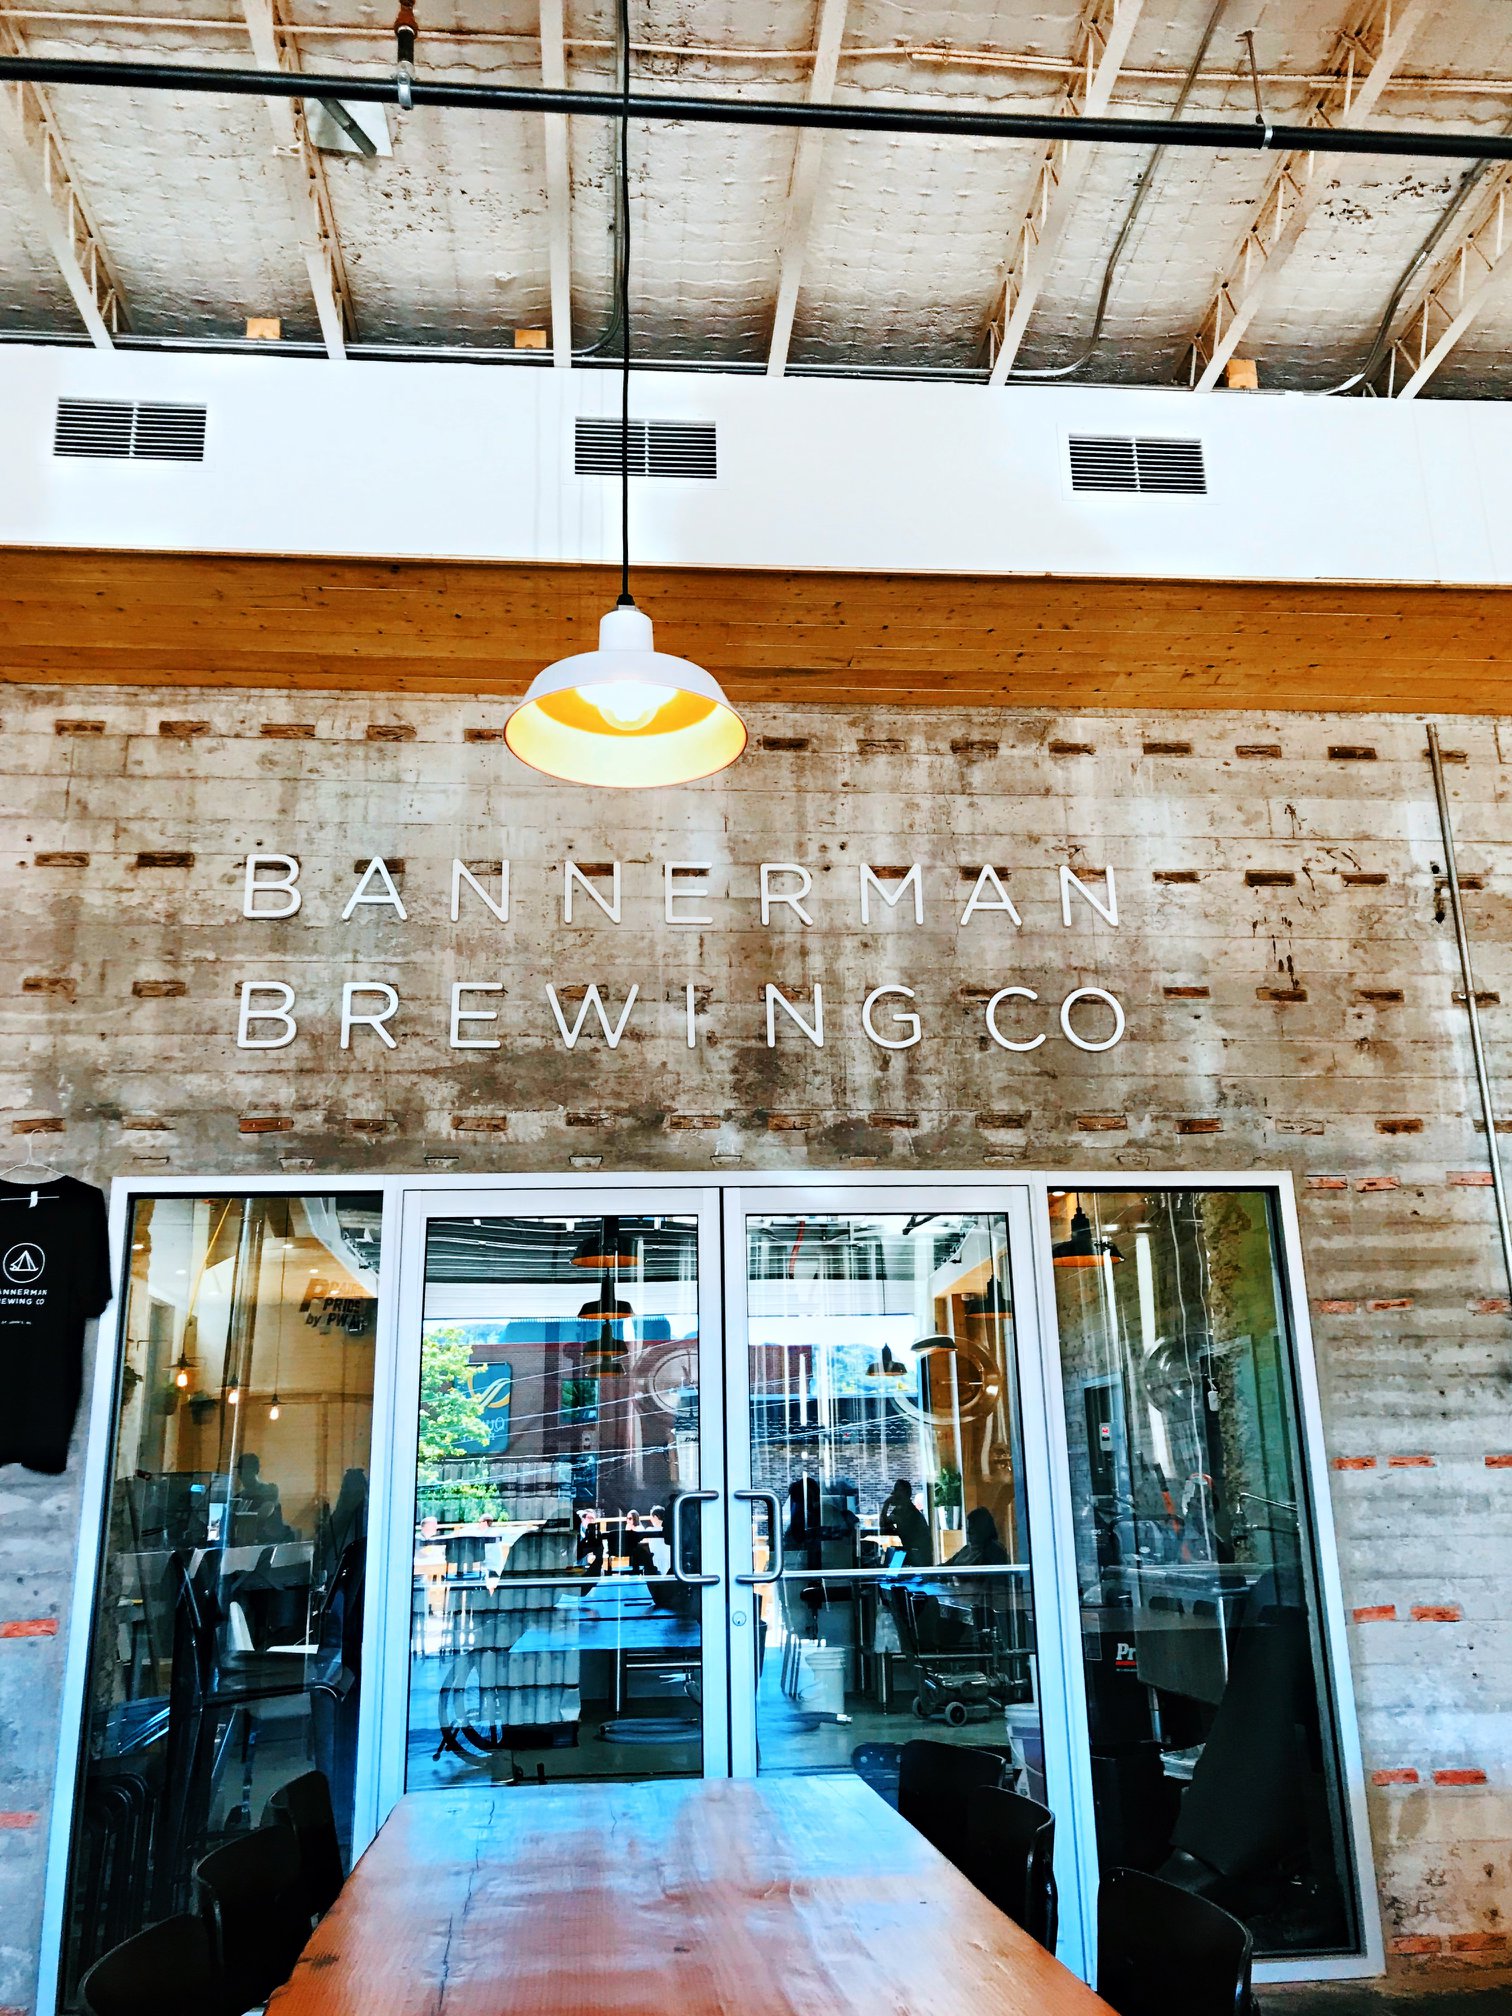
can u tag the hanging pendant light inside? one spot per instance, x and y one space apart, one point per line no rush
937 1341
606 1354
1082 1249
605 1248
626 715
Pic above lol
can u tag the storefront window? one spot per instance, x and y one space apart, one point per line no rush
226 1655
1213 1753
551 1634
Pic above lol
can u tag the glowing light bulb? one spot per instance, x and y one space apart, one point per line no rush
181 1378
233 1397
627 703
275 1410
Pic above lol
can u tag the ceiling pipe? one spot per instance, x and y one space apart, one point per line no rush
1212 135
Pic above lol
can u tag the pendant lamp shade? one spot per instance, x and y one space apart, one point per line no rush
1082 1249
926 1347
605 1249
627 715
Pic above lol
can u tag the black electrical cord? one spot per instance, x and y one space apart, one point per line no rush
626 599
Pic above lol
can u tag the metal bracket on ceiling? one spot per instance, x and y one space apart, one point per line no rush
1247 37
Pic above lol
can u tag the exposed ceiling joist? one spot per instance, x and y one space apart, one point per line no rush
41 160
803 186
1102 42
304 172
1471 271
558 185
1366 55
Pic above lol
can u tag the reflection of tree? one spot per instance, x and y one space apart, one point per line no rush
453 1424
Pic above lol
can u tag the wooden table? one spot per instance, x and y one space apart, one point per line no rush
779 1897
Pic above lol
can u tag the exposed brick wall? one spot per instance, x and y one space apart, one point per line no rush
1283 957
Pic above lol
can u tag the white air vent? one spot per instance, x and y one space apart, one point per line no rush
1120 462
656 448
117 429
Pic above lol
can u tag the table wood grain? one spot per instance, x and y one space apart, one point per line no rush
779 1897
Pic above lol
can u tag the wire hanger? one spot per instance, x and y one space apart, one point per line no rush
28 1165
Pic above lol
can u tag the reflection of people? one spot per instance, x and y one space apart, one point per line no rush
903 1519
592 1550
984 1545
258 1513
800 1536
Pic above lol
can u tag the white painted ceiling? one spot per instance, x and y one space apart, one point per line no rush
446 242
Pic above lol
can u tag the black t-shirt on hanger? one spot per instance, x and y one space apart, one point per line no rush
54 1275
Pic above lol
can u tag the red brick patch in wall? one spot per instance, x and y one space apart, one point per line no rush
1367 1184
1199 1124
183 731
264 1123
1435 1613
288 731
1101 1123
1379 1303
17 1820
1410 1462
1417 1942
29 1627
1489 1305
1501 1461
1459 1777
1470 1179
1337 1308
1354 1462
1328 1182
1477 1942
1400 1125
1400 1774
1187 993
1283 994
1376 1613
391 731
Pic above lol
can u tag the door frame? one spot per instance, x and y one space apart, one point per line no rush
393 1570
100 1408
1047 1494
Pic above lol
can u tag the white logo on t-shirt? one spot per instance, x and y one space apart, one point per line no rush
24 1263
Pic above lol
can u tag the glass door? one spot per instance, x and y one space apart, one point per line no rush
892 1527
555 1531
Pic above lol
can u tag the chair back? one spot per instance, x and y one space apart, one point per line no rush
168 1970
936 1783
253 1899
1161 1948
304 1806
1010 1857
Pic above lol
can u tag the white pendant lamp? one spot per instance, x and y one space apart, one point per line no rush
627 715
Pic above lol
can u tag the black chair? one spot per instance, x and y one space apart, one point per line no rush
1010 1857
936 1783
253 1899
304 1806
168 1970
1160 1948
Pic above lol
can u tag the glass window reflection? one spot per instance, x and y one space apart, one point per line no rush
226 1657
1213 1757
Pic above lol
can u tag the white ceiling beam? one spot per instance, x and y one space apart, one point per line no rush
803 185
304 172
1366 55
32 138
1103 35
558 184
1470 273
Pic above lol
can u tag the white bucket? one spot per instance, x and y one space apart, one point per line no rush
821 1680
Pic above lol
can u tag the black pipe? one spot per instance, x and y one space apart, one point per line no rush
1215 135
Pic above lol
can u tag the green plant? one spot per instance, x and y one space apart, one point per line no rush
947 1491
453 1428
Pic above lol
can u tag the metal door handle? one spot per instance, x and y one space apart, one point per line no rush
774 1573
680 1499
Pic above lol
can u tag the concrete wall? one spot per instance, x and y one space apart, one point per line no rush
1282 955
